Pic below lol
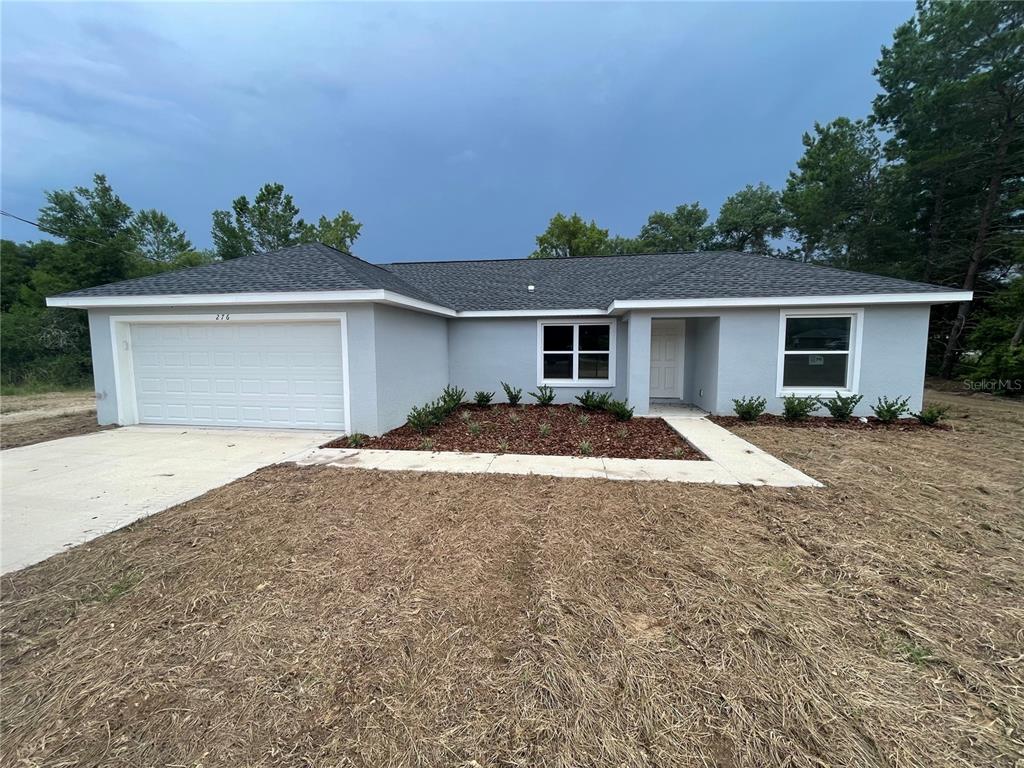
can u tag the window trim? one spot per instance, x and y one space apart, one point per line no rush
575 381
852 384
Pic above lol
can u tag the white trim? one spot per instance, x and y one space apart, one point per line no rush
231 299
576 381
852 386
399 300
124 381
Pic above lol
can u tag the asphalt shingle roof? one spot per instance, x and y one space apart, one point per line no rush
576 283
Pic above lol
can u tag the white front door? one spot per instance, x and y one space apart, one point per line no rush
258 374
665 362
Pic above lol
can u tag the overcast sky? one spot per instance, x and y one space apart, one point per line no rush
450 131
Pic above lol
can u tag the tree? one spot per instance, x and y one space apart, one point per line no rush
832 198
953 100
272 221
568 236
685 229
157 237
750 218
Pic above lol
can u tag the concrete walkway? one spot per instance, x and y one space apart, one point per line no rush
65 492
732 461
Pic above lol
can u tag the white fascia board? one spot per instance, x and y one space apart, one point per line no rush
234 299
937 297
534 313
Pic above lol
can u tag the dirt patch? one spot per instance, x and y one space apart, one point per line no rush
16 434
827 422
46 404
320 616
555 430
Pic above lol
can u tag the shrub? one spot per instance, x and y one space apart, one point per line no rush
356 440
586 448
423 417
513 416
583 419
619 409
474 428
451 398
593 401
465 415
749 408
889 410
503 446
426 444
512 394
795 408
677 452
545 429
544 395
841 407
932 414
483 398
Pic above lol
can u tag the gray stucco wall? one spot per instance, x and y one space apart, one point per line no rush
412 362
700 363
484 352
892 364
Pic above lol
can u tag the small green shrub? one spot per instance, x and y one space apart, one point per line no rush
512 394
841 407
619 409
483 398
544 428
426 444
932 414
423 417
503 446
889 410
796 408
583 419
544 395
594 401
474 428
586 448
749 408
451 398
356 440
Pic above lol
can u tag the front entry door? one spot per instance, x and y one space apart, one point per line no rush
665 358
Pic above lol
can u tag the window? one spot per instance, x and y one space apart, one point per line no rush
576 353
818 352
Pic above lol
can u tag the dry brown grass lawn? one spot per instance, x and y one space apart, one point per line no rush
308 617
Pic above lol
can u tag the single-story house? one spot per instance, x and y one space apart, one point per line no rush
310 337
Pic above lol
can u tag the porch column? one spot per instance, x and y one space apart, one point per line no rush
638 377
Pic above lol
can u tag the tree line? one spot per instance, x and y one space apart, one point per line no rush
928 186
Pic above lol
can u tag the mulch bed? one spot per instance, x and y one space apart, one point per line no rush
520 429
827 422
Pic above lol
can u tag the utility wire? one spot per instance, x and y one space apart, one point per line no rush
41 228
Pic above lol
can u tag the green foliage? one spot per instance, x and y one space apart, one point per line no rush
544 395
622 432
619 409
998 339
356 440
158 238
465 416
583 419
503 446
483 398
452 398
594 401
568 236
426 444
423 417
544 428
750 219
841 407
795 408
339 232
684 229
474 428
749 408
586 448
932 414
512 394
889 410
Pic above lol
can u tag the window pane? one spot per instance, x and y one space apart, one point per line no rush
557 366
557 338
594 365
595 338
817 333
815 371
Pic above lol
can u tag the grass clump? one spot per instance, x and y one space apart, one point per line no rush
356 440
474 428
544 428
583 419
503 446
426 444
586 448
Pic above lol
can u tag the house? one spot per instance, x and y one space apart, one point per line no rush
310 337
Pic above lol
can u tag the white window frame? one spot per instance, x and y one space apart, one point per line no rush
852 384
576 381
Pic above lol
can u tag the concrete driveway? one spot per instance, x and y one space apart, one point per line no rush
61 493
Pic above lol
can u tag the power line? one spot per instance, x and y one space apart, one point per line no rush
41 228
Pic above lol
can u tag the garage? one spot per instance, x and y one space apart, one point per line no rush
282 375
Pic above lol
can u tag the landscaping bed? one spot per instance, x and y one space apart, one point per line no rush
571 431
827 422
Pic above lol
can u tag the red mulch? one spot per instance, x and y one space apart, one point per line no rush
827 422
519 427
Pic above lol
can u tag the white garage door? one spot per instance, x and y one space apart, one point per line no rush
281 375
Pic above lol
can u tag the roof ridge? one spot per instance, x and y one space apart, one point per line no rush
553 258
